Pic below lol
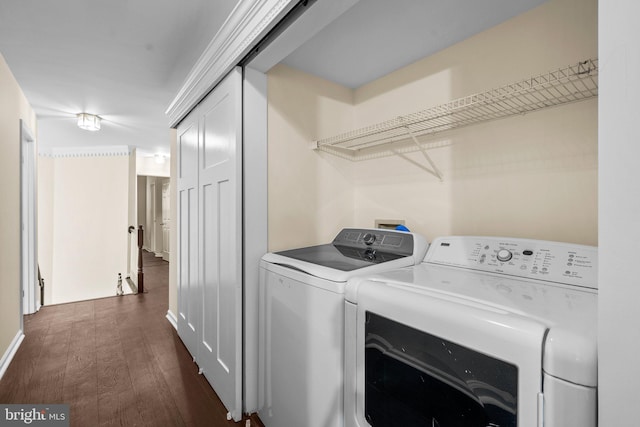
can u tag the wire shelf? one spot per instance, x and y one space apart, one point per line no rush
570 84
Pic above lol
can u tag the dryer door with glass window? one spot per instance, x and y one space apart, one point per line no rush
439 361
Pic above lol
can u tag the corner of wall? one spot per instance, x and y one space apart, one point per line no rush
173 260
14 106
6 359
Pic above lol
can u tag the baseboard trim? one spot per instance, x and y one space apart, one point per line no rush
172 319
11 351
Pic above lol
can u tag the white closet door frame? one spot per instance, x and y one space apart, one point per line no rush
255 106
255 221
29 252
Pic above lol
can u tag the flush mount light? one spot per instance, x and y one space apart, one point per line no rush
88 121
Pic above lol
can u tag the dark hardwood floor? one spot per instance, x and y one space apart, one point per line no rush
116 361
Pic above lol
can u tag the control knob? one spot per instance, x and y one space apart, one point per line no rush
369 238
504 255
370 254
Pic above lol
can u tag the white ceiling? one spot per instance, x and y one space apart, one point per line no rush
121 59
376 37
125 60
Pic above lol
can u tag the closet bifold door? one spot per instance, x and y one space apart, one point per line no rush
210 238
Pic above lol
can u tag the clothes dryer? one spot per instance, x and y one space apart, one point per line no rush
486 331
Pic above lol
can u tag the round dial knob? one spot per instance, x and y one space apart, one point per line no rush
370 254
504 255
369 238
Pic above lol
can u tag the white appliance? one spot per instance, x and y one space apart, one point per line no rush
486 331
301 337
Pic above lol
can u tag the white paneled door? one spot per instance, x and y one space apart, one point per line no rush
219 233
166 218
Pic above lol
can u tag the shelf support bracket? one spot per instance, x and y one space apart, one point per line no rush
432 169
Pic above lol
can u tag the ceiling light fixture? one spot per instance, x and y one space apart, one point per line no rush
88 121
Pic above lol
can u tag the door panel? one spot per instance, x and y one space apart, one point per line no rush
209 273
218 133
220 184
227 277
193 283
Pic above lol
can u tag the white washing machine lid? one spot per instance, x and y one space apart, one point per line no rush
353 252
568 313
333 274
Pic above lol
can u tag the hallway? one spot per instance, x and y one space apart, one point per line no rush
116 361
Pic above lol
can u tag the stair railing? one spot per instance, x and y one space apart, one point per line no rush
140 264
41 285
140 267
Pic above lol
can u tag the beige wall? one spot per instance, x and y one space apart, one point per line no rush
13 107
45 222
310 195
532 176
146 165
89 210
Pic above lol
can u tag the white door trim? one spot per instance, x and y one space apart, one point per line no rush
28 217
254 221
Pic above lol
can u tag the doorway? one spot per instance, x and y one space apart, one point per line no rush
154 213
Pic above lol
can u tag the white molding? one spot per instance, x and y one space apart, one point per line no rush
29 217
11 351
249 21
172 319
98 151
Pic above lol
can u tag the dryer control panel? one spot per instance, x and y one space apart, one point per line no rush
395 242
534 259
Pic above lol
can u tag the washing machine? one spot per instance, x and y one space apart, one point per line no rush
301 335
487 331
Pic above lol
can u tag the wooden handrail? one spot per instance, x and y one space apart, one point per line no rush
41 284
140 267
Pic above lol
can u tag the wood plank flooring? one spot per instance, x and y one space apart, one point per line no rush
116 361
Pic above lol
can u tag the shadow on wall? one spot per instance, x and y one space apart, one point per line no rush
309 198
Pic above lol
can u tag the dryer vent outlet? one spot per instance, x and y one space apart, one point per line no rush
388 224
